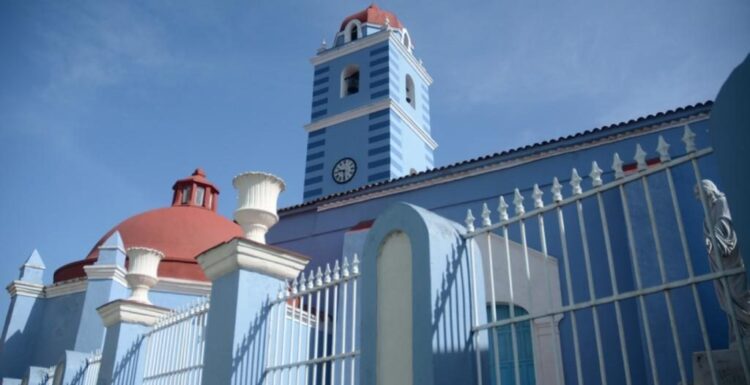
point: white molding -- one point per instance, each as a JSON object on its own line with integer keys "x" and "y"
{"x": 347, "y": 115}
{"x": 368, "y": 41}
{"x": 426, "y": 138}
{"x": 123, "y": 311}
{"x": 113, "y": 272}
{"x": 25, "y": 289}
{"x": 368, "y": 109}
{"x": 508, "y": 164}
{"x": 71, "y": 286}
{"x": 182, "y": 286}
{"x": 347, "y": 48}
{"x": 244, "y": 254}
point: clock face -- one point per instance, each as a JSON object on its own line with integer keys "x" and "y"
{"x": 344, "y": 170}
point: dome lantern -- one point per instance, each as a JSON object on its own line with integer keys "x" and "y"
{"x": 195, "y": 191}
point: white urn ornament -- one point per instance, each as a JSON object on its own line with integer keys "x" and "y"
{"x": 257, "y": 197}
{"x": 142, "y": 272}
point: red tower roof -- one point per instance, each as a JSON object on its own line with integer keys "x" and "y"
{"x": 181, "y": 232}
{"x": 373, "y": 15}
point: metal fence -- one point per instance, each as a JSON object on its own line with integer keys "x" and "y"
{"x": 312, "y": 334}
{"x": 174, "y": 347}
{"x": 636, "y": 298}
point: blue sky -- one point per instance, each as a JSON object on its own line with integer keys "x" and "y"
{"x": 103, "y": 105}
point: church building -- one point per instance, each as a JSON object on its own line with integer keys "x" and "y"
{"x": 576, "y": 260}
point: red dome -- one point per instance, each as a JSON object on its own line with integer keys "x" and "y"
{"x": 373, "y": 15}
{"x": 181, "y": 232}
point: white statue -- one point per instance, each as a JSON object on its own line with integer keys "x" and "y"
{"x": 723, "y": 254}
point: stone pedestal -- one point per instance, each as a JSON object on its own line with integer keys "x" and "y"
{"x": 244, "y": 276}
{"x": 126, "y": 321}
{"x": 727, "y": 363}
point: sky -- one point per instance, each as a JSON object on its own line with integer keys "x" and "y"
{"x": 103, "y": 105}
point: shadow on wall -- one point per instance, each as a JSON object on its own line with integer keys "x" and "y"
{"x": 249, "y": 358}
{"x": 126, "y": 371}
{"x": 451, "y": 323}
{"x": 17, "y": 351}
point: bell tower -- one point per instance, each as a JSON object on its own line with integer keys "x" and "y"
{"x": 370, "y": 118}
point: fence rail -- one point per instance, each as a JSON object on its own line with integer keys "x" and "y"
{"x": 633, "y": 287}
{"x": 309, "y": 322}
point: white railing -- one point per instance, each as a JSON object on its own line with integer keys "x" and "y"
{"x": 174, "y": 347}
{"x": 312, "y": 335}
{"x": 636, "y": 317}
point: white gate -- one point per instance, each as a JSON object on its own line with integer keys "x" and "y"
{"x": 633, "y": 292}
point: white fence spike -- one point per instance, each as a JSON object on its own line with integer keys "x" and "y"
{"x": 295, "y": 286}
{"x": 556, "y": 190}
{"x": 345, "y": 267}
{"x": 319, "y": 277}
{"x": 575, "y": 182}
{"x": 689, "y": 139}
{"x": 302, "y": 281}
{"x": 640, "y": 157}
{"x": 469, "y": 220}
{"x": 486, "y": 220}
{"x": 537, "y": 195}
{"x": 663, "y": 149}
{"x": 336, "y": 271}
{"x": 617, "y": 166}
{"x": 327, "y": 278}
{"x": 355, "y": 264}
{"x": 595, "y": 174}
{"x": 518, "y": 202}
{"x": 502, "y": 208}
{"x": 311, "y": 280}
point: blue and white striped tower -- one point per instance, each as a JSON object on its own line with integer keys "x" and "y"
{"x": 370, "y": 117}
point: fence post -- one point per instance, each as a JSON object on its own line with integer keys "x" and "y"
{"x": 126, "y": 321}
{"x": 438, "y": 293}
{"x": 244, "y": 275}
{"x": 23, "y": 319}
{"x": 106, "y": 282}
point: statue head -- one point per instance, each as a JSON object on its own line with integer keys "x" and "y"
{"x": 710, "y": 190}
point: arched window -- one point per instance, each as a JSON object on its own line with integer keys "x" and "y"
{"x": 352, "y": 31}
{"x": 406, "y": 41}
{"x": 410, "y": 98}
{"x": 350, "y": 80}
{"x": 502, "y": 337}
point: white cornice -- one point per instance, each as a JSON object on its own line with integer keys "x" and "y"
{"x": 368, "y": 109}
{"x": 247, "y": 255}
{"x": 369, "y": 41}
{"x": 123, "y": 311}
{"x": 347, "y": 115}
{"x": 66, "y": 287}
{"x": 348, "y": 48}
{"x": 25, "y": 289}
{"x": 182, "y": 286}
{"x": 508, "y": 164}
{"x": 113, "y": 272}
{"x": 411, "y": 59}
{"x": 422, "y": 134}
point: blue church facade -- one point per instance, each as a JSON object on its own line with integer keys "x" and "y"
{"x": 578, "y": 260}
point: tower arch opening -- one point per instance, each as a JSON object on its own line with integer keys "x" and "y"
{"x": 350, "y": 80}
{"x": 353, "y": 31}
{"x": 410, "y": 96}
